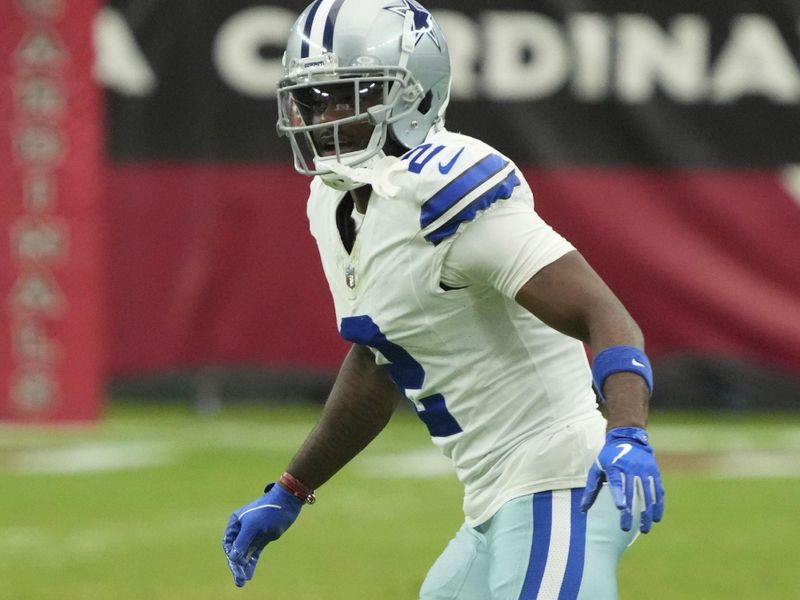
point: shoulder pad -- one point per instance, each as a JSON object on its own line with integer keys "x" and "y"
{"x": 454, "y": 178}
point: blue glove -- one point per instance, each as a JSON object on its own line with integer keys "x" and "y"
{"x": 253, "y": 526}
{"x": 628, "y": 464}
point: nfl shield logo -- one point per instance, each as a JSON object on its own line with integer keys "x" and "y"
{"x": 350, "y": 276}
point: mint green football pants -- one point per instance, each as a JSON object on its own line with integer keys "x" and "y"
{"x": 536, "y": 547}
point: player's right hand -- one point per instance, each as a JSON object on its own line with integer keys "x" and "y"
{"x": 253, "y": 526}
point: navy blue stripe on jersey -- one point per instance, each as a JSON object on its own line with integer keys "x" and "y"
{"x": 573, "y": 573}
{"x": 459, "y": 187}
{"x": 437, "y": 419}
{"x": 540, "y": 545}
{"x": 307, "y": 28}
{"x": 501, "y": 191}
{"x": 327, "y": 38}
{"x": 406, "y": 372}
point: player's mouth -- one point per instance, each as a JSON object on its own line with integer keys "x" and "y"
{"x": 327, "y": 146}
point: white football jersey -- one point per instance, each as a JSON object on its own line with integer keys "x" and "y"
{"x": 507, "y": 398}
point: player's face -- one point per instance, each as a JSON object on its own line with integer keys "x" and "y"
{"x": 331, "y": 102}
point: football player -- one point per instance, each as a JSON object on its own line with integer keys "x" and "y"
{"x": 456, "y": 295}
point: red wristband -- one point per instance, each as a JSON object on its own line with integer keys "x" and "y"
{"x": 297, "y": 488}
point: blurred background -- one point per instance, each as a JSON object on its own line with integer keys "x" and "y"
{"x": 157, "y": 267}
{"x": 158, "y": 241}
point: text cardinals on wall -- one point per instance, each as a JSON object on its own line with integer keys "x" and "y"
{"x": 51, "y": 354}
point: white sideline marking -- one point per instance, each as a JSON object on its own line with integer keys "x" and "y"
{"x": 430, "y": 464}
{"x": 791, "y": 181}
{"x": 415, "y": 464}
{"x": 756, "y": 464}
{"x": 728, "y": 437}
{"x": 89, "y": 457}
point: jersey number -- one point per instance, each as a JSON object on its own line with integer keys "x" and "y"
{"x": 406, "y": 372}
{"x": 420, "y": 156}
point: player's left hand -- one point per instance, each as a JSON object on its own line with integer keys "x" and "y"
{"x": 253, "y": 526}
{"x": 628, "y": 464}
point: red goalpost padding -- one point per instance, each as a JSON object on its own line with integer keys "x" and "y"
{"x": 51, "y": 297}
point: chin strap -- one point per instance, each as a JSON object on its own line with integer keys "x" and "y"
{"x": 378, "y": 172}
{"x": 343, "y": 178}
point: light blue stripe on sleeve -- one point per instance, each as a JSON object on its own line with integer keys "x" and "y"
{"x": 459, "y": 187}
{"x": 501, "y": 191}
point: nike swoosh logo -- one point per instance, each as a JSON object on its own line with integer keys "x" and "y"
{"x": 279, "y": 507}
{"x": 445, "y": 169}
{"x": 636, "y": 363}
{"x": 625, "y": 449}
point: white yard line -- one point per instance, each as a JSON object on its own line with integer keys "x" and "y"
{"x": 743, "y": 463}
{"x": 723, "y": 437}
{"x": 89, "y": 457}
{"x": 415, "y": 464}
{"x": 755, "y": 464}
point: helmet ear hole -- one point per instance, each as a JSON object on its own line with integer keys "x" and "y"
{"x": 425, "y": 105}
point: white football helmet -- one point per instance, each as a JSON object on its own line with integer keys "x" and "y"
{"x": 357, "y": 71}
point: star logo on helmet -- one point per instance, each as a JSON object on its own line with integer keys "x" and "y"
{"x": 423, "y": 25}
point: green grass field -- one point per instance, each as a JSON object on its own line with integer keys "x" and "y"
{"x": 134, "y": 508}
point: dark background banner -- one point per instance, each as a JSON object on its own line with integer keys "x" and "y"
{"x": 624, "y": 82}
{"x": 660, "y": 137}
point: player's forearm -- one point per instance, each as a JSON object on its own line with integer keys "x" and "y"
{"x": 626, "y": 394}
{"x": 627, "y": 400}
{"x": 360, "y": 405}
